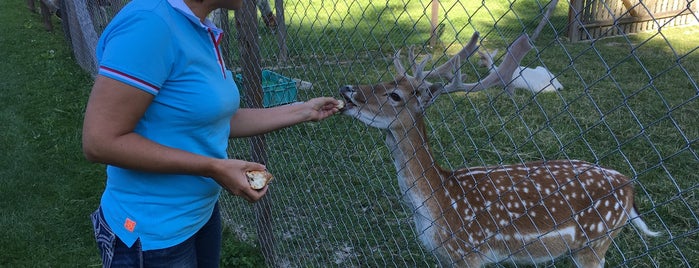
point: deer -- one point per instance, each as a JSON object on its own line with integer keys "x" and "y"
{"x": 536, "y": 80}
{"x": 523, "y": 213}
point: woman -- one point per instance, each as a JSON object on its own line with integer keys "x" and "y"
{"x": 160, "y": 115}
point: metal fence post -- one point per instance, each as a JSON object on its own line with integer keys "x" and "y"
{"x": 246, "y": 21}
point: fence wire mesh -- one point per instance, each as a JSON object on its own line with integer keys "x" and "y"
{"x": 629, "y": 102}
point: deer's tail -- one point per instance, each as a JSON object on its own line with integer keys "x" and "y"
{"x": 636, "y": 220}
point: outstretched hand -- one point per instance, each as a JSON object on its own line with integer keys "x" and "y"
{"x": 321, "y": 108}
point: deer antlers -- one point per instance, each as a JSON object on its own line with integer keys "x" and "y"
{"x": 444, "y": 70}
{"x": 451, "y": 69}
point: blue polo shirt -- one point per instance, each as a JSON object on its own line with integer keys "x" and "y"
{"x": 160, "y": 47}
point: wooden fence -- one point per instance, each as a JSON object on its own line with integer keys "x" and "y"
{"x": 593, "y": 19}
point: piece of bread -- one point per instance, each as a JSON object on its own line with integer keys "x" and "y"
{"x": 341, "y": 104}
{"x": 258, "y": 179}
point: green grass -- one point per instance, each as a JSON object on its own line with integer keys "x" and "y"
{"x": 48, "y": 190}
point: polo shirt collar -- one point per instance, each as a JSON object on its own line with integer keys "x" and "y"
{"x": 180, "y": 6}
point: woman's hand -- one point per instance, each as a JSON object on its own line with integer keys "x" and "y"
{"x": 248, "y": 122}
{"x": 321, "y": 108}
{"x": 230, "y": 174}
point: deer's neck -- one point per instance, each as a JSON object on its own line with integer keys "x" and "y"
{"x": 419, "y": 176}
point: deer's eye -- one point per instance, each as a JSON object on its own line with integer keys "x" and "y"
{"x": 394, "y": 96}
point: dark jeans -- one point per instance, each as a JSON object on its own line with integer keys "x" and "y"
{"x": 202, "y": 250}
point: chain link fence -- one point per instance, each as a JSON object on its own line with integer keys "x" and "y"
{"x": 628, "y": 102}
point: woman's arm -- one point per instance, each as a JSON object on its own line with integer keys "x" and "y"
{"x": 112, "y": 112}
{"x": 250, "y": 122}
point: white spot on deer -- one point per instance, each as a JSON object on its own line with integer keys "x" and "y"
{"x": 471, "y": 240}
{"x": 513, "y": 215}
{"x": 502, "y": 237}
{"x": 600, "y": 226}
{"x": 608, "y": 216}
{"x": 461, "y": 252}
{"x": 467, "y": 216}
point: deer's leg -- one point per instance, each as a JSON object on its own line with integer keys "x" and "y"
{"x": 594, "y": 254}
{"x": 471, "y": 260}
{"x": 453, "y": 259}
{"x": 588, "y": 258}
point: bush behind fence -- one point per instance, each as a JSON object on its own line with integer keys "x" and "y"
{"x": 629, "y": 102}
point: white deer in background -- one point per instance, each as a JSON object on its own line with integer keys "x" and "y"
{"x": 535, "y": 80}
{"x": 524, "y": 213}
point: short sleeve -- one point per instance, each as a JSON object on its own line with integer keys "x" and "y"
{"x": 137, "y": 50}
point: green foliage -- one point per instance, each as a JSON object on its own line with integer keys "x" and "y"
{"x": 238, "y": 254}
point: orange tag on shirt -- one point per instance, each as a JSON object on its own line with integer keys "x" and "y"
{"x": 129, "y": 224}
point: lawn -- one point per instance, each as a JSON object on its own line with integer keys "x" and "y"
{"x": 48, "y": 189}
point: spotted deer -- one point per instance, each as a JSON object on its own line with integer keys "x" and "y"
{"x": 524, "y": 213}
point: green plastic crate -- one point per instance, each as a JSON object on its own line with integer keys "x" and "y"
{"x": 276, "y": 88}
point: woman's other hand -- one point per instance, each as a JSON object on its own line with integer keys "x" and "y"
{"x": 230, "y": 174}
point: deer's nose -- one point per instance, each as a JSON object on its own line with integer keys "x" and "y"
{"x": 346, "y": 89}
